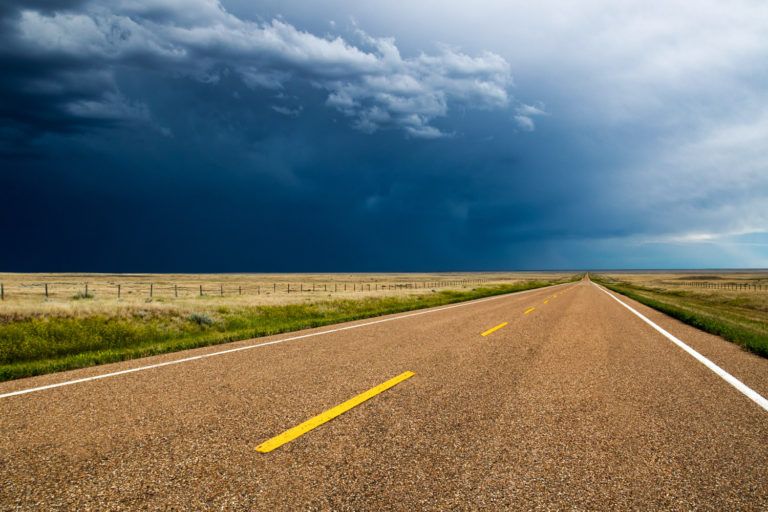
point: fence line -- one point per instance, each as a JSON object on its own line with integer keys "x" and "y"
{"x": 728, "y": 286}
{"x": 153, "y": 290}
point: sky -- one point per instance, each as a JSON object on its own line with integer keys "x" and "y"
{"x": 293, "y": 136}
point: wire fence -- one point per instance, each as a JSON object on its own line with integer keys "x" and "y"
{"x": 749, "y": 287}
{"x": 82, "y": 290}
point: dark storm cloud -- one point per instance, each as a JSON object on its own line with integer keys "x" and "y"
{"x": 174, "y": 135}
{"x": 60, "y": 65}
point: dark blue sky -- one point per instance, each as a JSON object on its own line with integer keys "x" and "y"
{"x": 207, "y": 136}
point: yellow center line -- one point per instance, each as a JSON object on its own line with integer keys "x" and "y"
{"x": 299, "y": 430}
{"x": 489, "y": 331}
{"x": 546, "y": 301}
{"x": 529, "y": 311}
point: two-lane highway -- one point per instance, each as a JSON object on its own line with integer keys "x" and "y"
{"x": 555, "y": 398}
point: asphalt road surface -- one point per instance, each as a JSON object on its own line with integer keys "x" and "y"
{"x": 576, "y": 403}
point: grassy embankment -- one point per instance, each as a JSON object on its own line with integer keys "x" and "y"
{"x": 740, "y": 319}
{"x": 35, "y": 346}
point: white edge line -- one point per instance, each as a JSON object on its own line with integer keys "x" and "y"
{"x": 727, "y": 377}
{"x": 203, "y": 356}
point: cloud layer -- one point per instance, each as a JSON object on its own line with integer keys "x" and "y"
{"x": 66, "y": 61}
{"x": 383, "y": 134}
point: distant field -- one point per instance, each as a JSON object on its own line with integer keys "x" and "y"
{"x": 74, "y": 327}
{"x": 25, "y": 294}
{"x": 731, "y": 304}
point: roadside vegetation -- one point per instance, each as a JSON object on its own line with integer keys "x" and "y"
{"x": 38, "y": 345}
{"x": 738, "y": 317}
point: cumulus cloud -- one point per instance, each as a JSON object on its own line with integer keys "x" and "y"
{"x": 291, "y": 112}
{"x": 524, "y": 116}
{"x": 370, "y": 82}
{"x": 524, "y": 123}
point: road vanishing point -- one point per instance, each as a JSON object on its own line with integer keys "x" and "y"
{"x": 565, "y": 397}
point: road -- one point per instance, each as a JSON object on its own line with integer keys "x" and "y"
{"x": 575, "y": 403}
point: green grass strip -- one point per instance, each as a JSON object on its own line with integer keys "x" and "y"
{"x": 740, "y": 334}
{"x": 37, "y": 346}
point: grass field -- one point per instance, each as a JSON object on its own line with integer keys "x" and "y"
{"x": 732, "y": 304}
{"x": 25, "y": 293}
{"x": 74, "y": 329}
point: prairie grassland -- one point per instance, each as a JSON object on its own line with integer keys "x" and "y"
{"x": 179, "y": 294}
{"x": 731, "y": 304}
{"x": 42, "y": 336}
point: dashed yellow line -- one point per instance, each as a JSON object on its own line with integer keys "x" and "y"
{"x": 546, "y": 301}
{"x": 489, "y": 331}
{"x": 299, "y": 430}
{"x": 529, "y": 311}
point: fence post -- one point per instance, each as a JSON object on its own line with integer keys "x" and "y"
{"x": 46, "y": 290}
{"x": 201, "y": 290}
{"x": 239, "y": 290}
{"x": 274, "y": 287}
{"x": 86, "y": 290}
{"x": 175, "y": 290}
{"x": 2, "y": 291}
{"x": 150, "y": 289}
{"x": 221, "y": 290}
{"x": 258, "y": 290}
{"x": 289, "y": 287}
{"x": 118, "y": 291}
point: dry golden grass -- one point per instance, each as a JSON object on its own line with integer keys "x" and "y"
{"x": 731, "y": 304}
{"x": 25, "y": 293}
{"x": 711, "y": 286}
{"x": 676, "y": 279}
